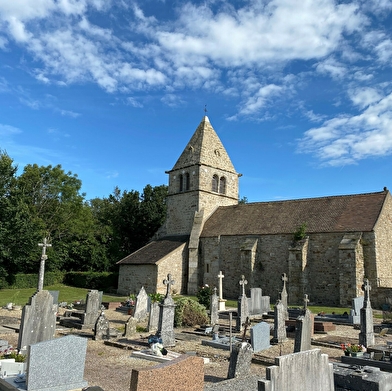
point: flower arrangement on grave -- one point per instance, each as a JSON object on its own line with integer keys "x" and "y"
{"x": 130, "y": 302}
{"x": 352, "y": 348}
{"x": 10, "y": 352}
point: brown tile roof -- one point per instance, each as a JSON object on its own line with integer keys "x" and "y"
{"x": 327, "y": 214}
{"x": 154, "y": 251}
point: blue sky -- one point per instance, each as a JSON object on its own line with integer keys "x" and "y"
{"x": 300, "y": 92}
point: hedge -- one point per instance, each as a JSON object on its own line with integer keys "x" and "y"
{"x": 90, "y": 280}
{"x": 104, "y": 281}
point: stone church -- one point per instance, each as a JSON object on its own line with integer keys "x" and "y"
{"x": 326, "y": 246}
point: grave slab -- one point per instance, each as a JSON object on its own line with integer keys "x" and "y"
{"x": 183, "y": 373}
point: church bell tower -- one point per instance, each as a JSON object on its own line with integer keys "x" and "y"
{"x": 202, "y": 179}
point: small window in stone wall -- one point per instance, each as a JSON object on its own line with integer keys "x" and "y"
{"x": 184, "y": 182}
{"x": 222, "y": 185}
{"x": 215, "y": 183}
{"x": 180, "y": 178}
{"x": 207, "y": 268}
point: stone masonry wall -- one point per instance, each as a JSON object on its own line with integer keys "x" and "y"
{"x": 133, "y": 277}
{"x": 176, "y": 265}
{"x": 383, "y": 241}
{"x": 271, "y": 260}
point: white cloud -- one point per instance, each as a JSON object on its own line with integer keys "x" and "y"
{"x": 260, "y": 98}
{"x": 363, "y": 97}
{"x": 134, "y": 102}
{"x": 8, "y": 130}
{"x": 332, "y": 67}
{"x": 348, "y": 139}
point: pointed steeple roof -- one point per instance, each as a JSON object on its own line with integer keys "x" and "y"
{"x": 205, "y": 148}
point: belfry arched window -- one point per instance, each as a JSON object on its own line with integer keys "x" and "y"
{"x": 184, "y": 182}
{"x": 215, "y": 183}
{"x": 222, "y": 185}
{"x": 181, "y": 180}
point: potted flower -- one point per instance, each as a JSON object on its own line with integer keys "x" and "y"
{"x": 353, "y": 350}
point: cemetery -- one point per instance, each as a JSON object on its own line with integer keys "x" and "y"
{"x": 248, "y": 347}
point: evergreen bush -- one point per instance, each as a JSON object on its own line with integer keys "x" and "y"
{"x": 189, "y": 312}
{"x": 204, "y": 296}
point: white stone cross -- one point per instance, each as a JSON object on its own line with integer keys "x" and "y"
{"x": 284, "y": 279}
{"x": 243, "y": 282}
{"x": 306, "y": 301}
{"x": 220, "y": 276}
{"x": 168, "y": 282}
{"x": 44, "y": 257}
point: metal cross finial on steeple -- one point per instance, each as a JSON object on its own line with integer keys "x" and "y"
{"x": 44, "y": 257}
{"x": 205, "y": 109}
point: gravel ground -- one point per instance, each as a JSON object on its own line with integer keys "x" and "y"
{"x": 110, "y": 366}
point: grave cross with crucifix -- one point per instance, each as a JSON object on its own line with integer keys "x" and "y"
{"x": 243, "y": 282}
{"x": 168, "y": 282}
{"x": 44, "y": 257}
{"x": 366, "y": 287}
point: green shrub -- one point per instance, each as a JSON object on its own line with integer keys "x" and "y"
{"x": 204, "y": 296}
{"x": 300, "y": 233}
{"x": 189, "y": 312}
{"x": 156, "y": 297}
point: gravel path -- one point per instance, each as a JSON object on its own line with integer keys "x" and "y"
{"x": 110, "y": 367}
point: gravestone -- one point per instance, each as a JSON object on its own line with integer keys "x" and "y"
{"x": 93, "y": 307}
{"x": 283, "y": 295}
{"x": 101, "y": 328}
{"x": 355, "y": 312}
{"x": 366, "y": 335}
{"x": 240, "y": 360}
{"x": 142, "y": 305}
{"x": 265, "y": 304}
{"x": 11, "y": 368}
{"x": 214, "y": 308}
{"x": 221, "y": 301}
{"x": 153, "y": 319}
{"x": 359, "y": 378}
{"x": 242, "y": 306}
{"x": 55, "y": 295}
{"x": 260, "y": 337}
{"x": 280, "y": 334}
{"x": 38, "y": 322}
{"x": 57, "y": 364}
{"x": 183, "y": 373}
{"x": 303, "y": 371}
{"x": 130, "y": 327}
{"x": 303, "y": 329}
{"x": 166, "y": 316}
{"x": 254, "y": 302}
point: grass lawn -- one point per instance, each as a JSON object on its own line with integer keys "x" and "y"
{"x": 71, "y": 294}
{"x": 66, "y": 293}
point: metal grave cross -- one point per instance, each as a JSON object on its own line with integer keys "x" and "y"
{"x": 220, "y": 276}
{"x": 243, "y": 282}
{"x": 44, "y": 257}
{"x": 168, "y": 282}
